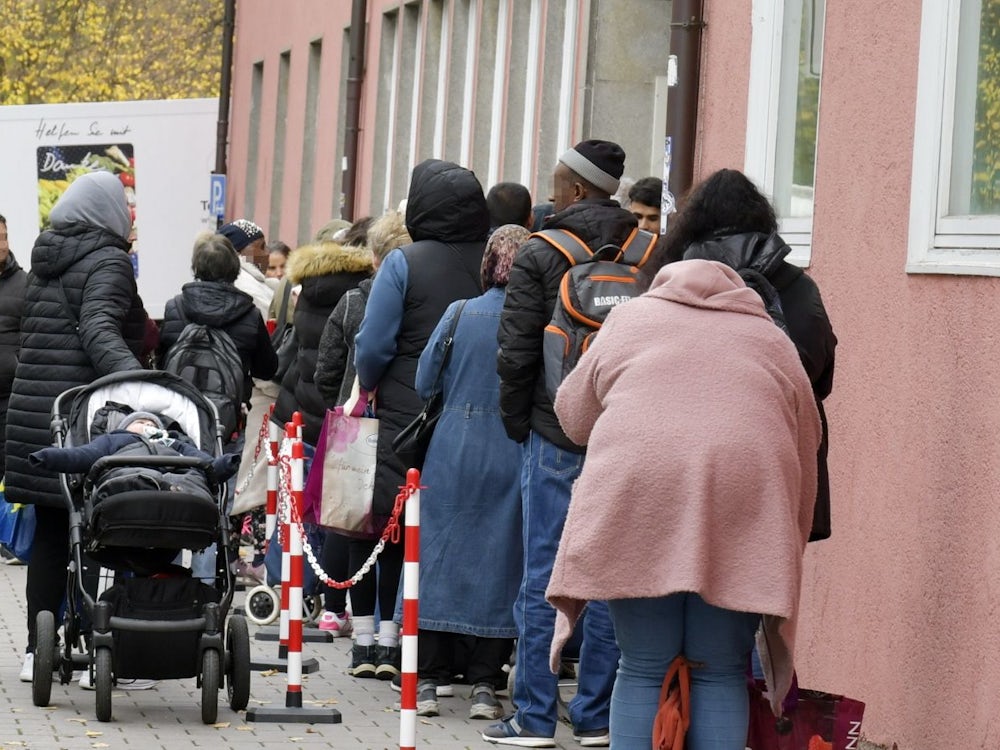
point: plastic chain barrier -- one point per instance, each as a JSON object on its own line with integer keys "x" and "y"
{"x": 390, "y": 533}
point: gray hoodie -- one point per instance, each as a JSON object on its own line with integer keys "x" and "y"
{"x": 97, "y": 199}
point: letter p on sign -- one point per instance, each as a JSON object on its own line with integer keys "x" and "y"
{"x": 217, "y": 203}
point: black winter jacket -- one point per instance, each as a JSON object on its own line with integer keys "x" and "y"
{"x": 223, "y": 306}
{"x": 447, "y": 218}
{"x": 82, "y": 319}
{"x": 531, "y": 297}
{"x": 326, "y": 271}
{"x": 807, "y": 323}
{"x": 335, "y": 371}
{"x": 13, "y": 280}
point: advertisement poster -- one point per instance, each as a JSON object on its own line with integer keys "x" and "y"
{"x": 59, "y": 165}
{"x": 162, "y": 152}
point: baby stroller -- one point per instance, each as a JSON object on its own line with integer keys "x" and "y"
{"x": 157, "y": 622}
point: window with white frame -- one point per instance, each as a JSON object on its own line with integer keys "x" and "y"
{"x": 786, "y": 64}
{"x": 955, "y": 191}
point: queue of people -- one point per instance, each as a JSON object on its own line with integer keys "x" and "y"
{"x": 581, "y": 525}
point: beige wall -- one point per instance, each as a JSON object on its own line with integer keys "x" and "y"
{"x": 900, "y": 606}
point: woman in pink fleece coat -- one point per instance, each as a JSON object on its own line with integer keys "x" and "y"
{"x": 695, "y": 502}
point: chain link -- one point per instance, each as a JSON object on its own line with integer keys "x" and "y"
{"x": 261, "y": 439}
{"x": 287, "y": 508}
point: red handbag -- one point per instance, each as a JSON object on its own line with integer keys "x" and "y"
{"x": 673, "y": 717}
{"x": 817, "y": 721}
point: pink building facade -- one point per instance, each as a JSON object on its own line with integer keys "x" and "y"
{"x": 872, "y": 128}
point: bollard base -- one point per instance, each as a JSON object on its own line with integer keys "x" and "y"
{"x": 309, "y": 635}
{"x": 308, "y": 665}
{"x": 279, "y": 715}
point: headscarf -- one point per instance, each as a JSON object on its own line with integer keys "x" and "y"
{"x": 499, "y": 255}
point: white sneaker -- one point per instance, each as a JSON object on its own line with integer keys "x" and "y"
{"x": 28, "y": 668}
{"x": 137, "y": 684}
{"x": 85, "y": 682}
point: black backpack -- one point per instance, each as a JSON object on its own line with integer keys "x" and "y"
{"x": 595, "y": 283}
{"x": 208, "y": 358}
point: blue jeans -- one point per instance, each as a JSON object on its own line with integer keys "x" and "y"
{"x": 651, "y": 633}
{"x": 547, "y": 476}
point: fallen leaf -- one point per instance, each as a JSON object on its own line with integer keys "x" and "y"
{"x": 100, "y": 744}
{"x": 77, "y": 719}
{"x": 92, "y": 733}
{"x": 426, "y": 723}
{"x": 296, "y": 739}
{"x": 244, "y": 729}
{"x": 269, "y": 673}
{"x": 221, "y": 725}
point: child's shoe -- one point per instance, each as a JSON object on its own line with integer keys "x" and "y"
{"x": 337, "y": 625}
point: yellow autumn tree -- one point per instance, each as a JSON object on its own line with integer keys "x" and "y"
{"x": 109, "y": 50}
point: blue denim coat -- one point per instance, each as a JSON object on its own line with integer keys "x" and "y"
{"x": 470, "y": 513}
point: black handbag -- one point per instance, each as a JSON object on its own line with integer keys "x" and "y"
{"x": 410, "y": 445}
{"x": 285, "y": 344}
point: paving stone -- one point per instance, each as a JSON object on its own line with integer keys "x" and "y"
{"x": 168, "y": 717}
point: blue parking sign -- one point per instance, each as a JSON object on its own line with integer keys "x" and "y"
{"x": 217, "y": 202}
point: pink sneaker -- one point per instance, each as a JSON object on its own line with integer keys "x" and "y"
{"x": 337, "y": 626}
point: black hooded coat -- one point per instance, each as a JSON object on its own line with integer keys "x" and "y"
{"x": 806, "y": 322}
{"x": 447, "y": 219}
{"x": 82, "y": 319}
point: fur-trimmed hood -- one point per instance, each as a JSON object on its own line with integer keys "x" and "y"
{"x": 325, "y": 258}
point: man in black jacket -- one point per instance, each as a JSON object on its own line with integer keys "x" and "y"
{"x": 583, "y": 182}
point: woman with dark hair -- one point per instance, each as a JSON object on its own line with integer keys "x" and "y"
{"x": 727, "y": 219}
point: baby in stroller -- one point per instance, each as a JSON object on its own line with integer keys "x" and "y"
{"x": 141, "y": 487}
{"x": 137, "y": 434}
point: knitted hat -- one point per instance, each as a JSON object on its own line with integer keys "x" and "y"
{"x": 601, "y": 163}
{"x": 241, "y": 233}
{"x": 137, "y": 415}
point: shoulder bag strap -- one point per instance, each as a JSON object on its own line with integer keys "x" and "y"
{"x": 448, "y": 341}
{"x": 575, "y": 249}
{"x": 279, "y": 327}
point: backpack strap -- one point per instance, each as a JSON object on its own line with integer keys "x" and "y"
{"x": 575, "y": 249}
{"x": 638, "y": 247}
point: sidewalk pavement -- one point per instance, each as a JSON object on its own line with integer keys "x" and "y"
{"x": 168, "y": 716}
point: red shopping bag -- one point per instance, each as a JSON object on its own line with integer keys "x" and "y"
{"x": 818, "y": 721}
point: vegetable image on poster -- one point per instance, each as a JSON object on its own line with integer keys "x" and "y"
{"x": 58, "y": 166}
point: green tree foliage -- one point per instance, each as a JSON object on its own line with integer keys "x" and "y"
{"x": 986, "y": 158}
{"x": 109, "y": 50}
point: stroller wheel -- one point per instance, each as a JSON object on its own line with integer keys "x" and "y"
{"x": 102, "y": 682}
{"x": 238, "y": 663}
{"x": 45, "y": 654}
{"x": 210, "y": 673}
{"x": 262, "y": 605}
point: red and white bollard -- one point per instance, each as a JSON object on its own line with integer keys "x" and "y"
{"x": 293, "y": 552}
{"x": 291, "y": 598}
{"x": 411, "y": 612}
